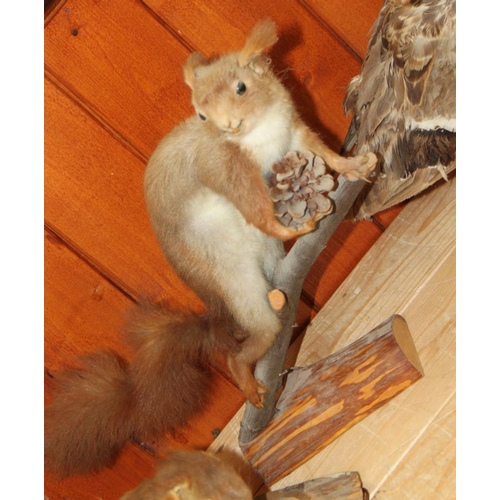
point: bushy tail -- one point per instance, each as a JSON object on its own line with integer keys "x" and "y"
{"x": 97, "y": 407}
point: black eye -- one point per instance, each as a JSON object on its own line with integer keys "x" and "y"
{"x": 241, "y": 88}
{"x": 202, "y": 117}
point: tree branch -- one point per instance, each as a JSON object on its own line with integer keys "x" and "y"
{"x": 289, "y": 277}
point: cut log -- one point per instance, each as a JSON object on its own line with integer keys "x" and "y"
{"x": 344, "y": 486}
{"x": 323, "y": 400}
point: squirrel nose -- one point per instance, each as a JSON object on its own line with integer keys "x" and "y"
{"x": 234, "y": 126}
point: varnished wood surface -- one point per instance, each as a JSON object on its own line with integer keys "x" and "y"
{"x": 325, "y": 399}
{"x": 113, "y": 88}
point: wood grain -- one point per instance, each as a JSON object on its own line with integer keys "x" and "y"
{"x": 94, "y": 200}
{"x": 429, "y": 469}
{"x": 123, "y": 65}
{"x": 83, "y": 311}
{"x": 344, "y": 486}
{"x": 340, "y": 256}
{"x": 323, "y": 400}
{"x": 132, "y": 467}
{"x": 339, "y": 16}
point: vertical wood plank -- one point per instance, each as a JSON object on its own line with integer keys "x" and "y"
{"x": 343, "y": 251}
{"x": 132, "y": 467}
{"x": 121, "y": 63}
{"x": 352, "y": 21}
{"x": 83, "y": 311}
{"x": 94, "y": 200}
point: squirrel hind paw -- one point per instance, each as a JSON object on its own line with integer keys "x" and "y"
{"x": 256, "y": 394}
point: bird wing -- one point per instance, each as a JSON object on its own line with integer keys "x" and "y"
{"x": 404, "y": 100}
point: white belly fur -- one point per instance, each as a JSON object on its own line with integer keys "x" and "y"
{"x": 237, "y": 250}
{"x": 270, "y": 140}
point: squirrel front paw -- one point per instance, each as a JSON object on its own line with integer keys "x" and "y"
{"x": 309, "y": 225}
{"x": 360, "y": 167}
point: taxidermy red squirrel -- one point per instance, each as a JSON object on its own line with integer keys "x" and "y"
{"x": 209, "y": 204}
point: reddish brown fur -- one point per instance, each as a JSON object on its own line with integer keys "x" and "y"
{"x": 252, "y": 200}
{"x": 97, "y": 407}
{"x": 262, "y": 37}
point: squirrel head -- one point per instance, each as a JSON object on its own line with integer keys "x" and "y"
{"x": 235, "y": 90}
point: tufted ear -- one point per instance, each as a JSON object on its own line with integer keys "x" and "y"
{"x": 262, "y": 37}
{"x": 195, "y": 60}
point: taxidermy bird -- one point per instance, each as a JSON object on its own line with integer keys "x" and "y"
{"x": 403, "y": 101}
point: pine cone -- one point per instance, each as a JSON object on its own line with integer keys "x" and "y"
{"x": 298, "y": 188}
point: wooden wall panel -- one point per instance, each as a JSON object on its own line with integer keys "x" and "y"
{"x": 340, "y": 256}
{"x": 94, "y": 199}
{"x": 131, "y": 468}
{"x": 351, "y": 20}
{"x": 83, "y": 310}
{"x": 123, "y": 64}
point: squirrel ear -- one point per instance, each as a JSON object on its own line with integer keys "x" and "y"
{"x": 262, "y": 36}
{"x": 194, "y": 61}
{"x": 260, "y": 64}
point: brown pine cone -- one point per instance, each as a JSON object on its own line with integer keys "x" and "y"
{"x": 300, "y": 188}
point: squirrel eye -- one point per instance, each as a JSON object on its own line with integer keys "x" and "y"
{"x": 241, "y": 88}
{"x": 202, "y": 117}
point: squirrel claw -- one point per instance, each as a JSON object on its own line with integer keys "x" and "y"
{"x": 307, "y": 227}
{"x": 256, "y": 396}
{"x": 359, "y": 176}
{"x": 365, "y": 166}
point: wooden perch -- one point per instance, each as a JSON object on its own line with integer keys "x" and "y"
{"x": 344, "y": 486}
{"x": 323, "y": 400}
{"x": 289, "y": 277}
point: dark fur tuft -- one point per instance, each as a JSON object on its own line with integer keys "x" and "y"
{"x": 99, "y": 406}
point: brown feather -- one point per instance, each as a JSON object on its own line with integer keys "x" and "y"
{"x": 404, "y": 100}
